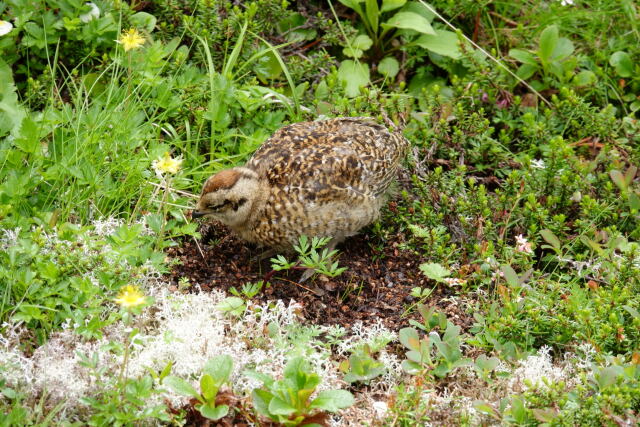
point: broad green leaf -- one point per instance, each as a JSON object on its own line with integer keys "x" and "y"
{"x": 634, "y": 201}
{"x": 523, "y": 56}
{"x": 213, "y": 412}
{"x": 550, "y": 238}
{"x": 584, "y": 78}
{"x": 564, "y": 48}
{"x": 261, "y": 400}
{"x": 622, "y": 63}
{"x": 357, "y": 46}
{"x": 232, "y": 305}
{"x": 362, "y": 41}
{"x": 27, "y": 138}
{"x": 410, "y": 21}
{"x": 434, "y": 271}
{"x": 608, "y": 376}
{"x": 510, "y": 275}
{"x": 372, "y": 14}
{"x": 618, "y": 179}
{"x": 333, "y": 400}
{"x": 278, "y": 406}
{"x": 11, "y": 111}
{"x": 409, "y": 338}
{"x": 545, "y": 415}
{"x": 180, "y": 386}
{"x": 632, "y": 311}
{"x": 548, "y": 43}
{"x": 388, "y": 5}
{"x": 486, "y": 408}
{"x": 389, "y": 67}
{"x": 220, "y": 368}
{"x": 143, "y": 20}
{"x": 208, "y": 387}
{"x": 526, "y": 70}
{"x": 353, "y": 76}
{"x": 443, "y": 43}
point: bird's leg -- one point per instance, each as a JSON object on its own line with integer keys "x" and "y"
{"x": 264, "y": 255}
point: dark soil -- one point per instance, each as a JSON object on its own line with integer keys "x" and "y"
{"x": 376, "y": 285}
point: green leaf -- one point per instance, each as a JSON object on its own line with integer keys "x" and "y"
{"x": 357, "y": 46}
{"x": 353, "y": 76}
{"x": 563, "y": 49}
{"x": 388, "y": 5}
{"x": 618, "y": 179}
{"x": 410, "y": 21}
{"x": 372, "y": 14}
{"x": 143, "y": 20}
{"x": 232, "y": 305}
{"x": 550, "y": 238}
{"x": 634, "y": 201}
{"x": 389, "y": 67}
{"x": 261, "y": 400}
{"x": 27, "y": 138}
{"x": 180, "y": 386}
{"x": 584, "y": 78}
{"x": 11, "y": 110}
{"x": 526, "y": 70}
{"x": 208, "y": 388}
{"x": 443, "y": 43}
{"x": 622, "y": 63}
{"x": 220, "y": 368}
{"x": 409, "y": 338}
{"x": 213, "y": 412}
{"x": 278, "y": 406}
{"x": 434, "y": 271}
{"x": 333, "y": 400}
{"x": 524, "y": 56}
{"x": 548, "y": 43}
{"x": 510, "y": 275}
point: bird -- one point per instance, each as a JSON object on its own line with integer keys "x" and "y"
{"x": 324, "y": 178}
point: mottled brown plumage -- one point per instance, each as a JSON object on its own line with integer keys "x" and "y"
{"x": 324, "y": 178}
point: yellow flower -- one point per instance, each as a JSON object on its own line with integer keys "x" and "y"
{"x": 130, "y": 296}
{"x": 131, "y": 39}
{"x": 166, "y": 164}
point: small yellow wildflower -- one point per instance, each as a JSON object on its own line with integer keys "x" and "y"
{"x": 130, "y": 296}
{"x": 131, "y": 39}
{"x": 166, "y": 164}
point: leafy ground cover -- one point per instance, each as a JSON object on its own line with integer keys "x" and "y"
{"x": 500, "y": 286}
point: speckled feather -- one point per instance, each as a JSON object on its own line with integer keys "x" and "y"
{"x": 323, "y": 178}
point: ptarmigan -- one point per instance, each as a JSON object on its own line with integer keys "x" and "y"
{"x": 324, "y": 178}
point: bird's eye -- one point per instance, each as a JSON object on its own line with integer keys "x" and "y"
{"x": 219, "y": 206}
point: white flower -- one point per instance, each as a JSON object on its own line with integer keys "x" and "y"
{"x": 496, "y": 274}
{"x": 537, "y": 164}
{"x": 92, "y": 14}
{"x": 566, "y": 2}
{"x": 454, "y": 281}
{"x": 5, "y": 27}
{"x": 381, "y": 408}
{"x": 523, "y": 245}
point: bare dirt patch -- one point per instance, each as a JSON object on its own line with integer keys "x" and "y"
{"x": 376, "y": 285}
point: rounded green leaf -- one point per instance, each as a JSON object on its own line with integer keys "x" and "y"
{"x": 548, "y": 43}
{"x": 278, "y": 406}
{"x": 584, "y": 78}
{"x": 213, "y": 412}
{"x": 180, "y": 386}
{"x": 443, "y": 43}
{"x": 523, "y": 56}
{"x": 621, "y": 61}
{"x": 143, "y": 20}
{"x": 410, "y": 21}
{"x": 220, "y": 368}
{"x": 353, "y": 76}
{"x": 333, "y": 400}
{"x": 388, "y": 5}
{"x": 389, "y": 67}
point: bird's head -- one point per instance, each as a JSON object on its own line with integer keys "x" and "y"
{"x": 229, "y": 196}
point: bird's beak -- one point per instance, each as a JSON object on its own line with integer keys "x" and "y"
{"x": 197, "y": 214}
